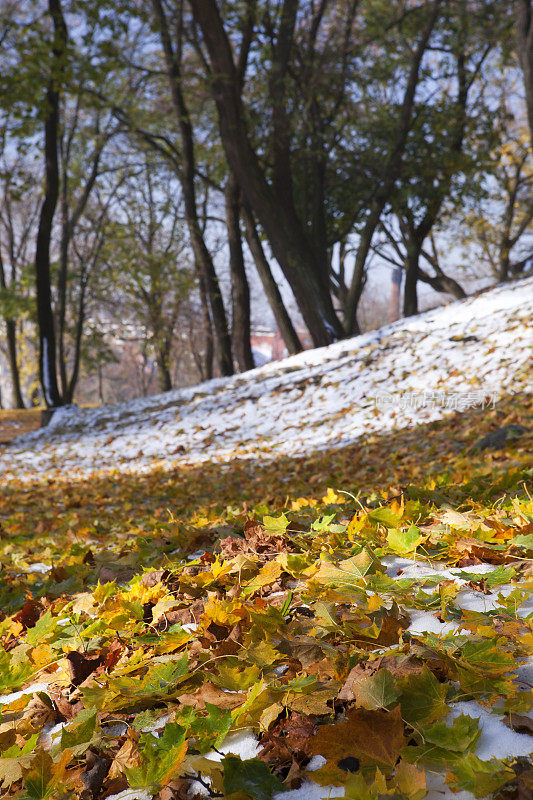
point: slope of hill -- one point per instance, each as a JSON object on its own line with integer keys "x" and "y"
{"x": 353, "y": 622}
{"x": 415, "y": 370}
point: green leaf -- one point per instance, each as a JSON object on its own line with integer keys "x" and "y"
{"x": 461, "y": 736}
{"x": 38, "y": 781}
{"x": 323, "y": 523}
{"x": 276, "y": 524}
{"x": 28, "y": 747}
{"x": 477, "y": 776}
{"x": 403, "y": 542}
{"x": 13, "y": 676}
{"x": 376, "y": 691}
{"x": 423, "y": 698}
{"x": 252, "y": 777}
{"x": 80, "y": 731}
{"x": 211, "y": 731}
{"x": 386, "y": 517}
{"x": 498, "y": 577}
{"x": 45, "y": 626}
{"x": 160, "y": 680}
{"x": 523, "y": 541}
{"x": 486, "y": 658}
{"x": 161, "y": 758}
{"x": 443, "y": 744}
{"x": 235, "y": 678}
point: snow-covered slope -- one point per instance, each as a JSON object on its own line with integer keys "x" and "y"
{"x": 412, "y": 371}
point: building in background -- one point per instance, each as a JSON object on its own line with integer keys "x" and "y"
{"x": 395, "y": 295}
{"x": 268, "y": 345}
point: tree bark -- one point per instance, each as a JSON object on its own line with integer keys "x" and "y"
{"x": 164, "y": 379}
{"x": 240, "y": 290}
{"x": 209, "y": 353}
{"x": 524, "y": 29}
{"x": 273, "y": 294}
{"x": 292, "y": 249}
{"x": 410, "y": 297}
{"x": 47, "y": 344}
{"x": 202, "y": 257}
{"x": 11, "y": 338}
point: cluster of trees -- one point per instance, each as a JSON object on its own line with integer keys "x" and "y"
{"x": 152, "y": 151}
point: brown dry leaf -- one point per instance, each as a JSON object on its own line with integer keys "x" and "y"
{"x": 29, "y": 614}
{"x": 191, "y": 614}
{"x": 96, "y": 770}
{"x": 525, "y": 786}
{"x": 209, "y": 693}
{"x": 113, "y": 654}
{"x": 80, "y": 666}
{"x": 391, "y": 628}
{"x": 325, "y": 668}
{"x": 64, "y": 708}
{"x": 346, "y": 693}
{"x": 114, "y": 786}
{"x": 288, "y": 740}
{"x": 373, "y": 736}
{"x": 474, "y": 548}
{"x": 400, "y": 667}
{"x": 410, "y": 780}
{"x": 35, "y": 716}
{"x": 177, "y": 790}
{"x": 128, "y": 756}
{"x": 520, "y": 723}
{"x": 318, "y": 702}
{"x": 151, "y": 579}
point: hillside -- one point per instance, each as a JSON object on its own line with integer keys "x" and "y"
{"x": 473, "y": 351}
{"x": 304, "y": 582}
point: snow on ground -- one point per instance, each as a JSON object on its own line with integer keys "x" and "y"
{"x": 412, "y": 371}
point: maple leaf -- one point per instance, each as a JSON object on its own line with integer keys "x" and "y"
{"x": 477, "y": 776}
{"x": 377, "y": 737}
{"x": 375, "y": 691}
{"x": 251, "y": 777}
{"x": 160, "y": 758}
{"x": 423, "y": 698}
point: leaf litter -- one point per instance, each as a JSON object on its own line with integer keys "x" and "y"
{"x": 254, "y": 632}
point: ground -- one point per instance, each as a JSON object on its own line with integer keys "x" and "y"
{"x": 340, "y": 607}
{"x": 15, "y": 422}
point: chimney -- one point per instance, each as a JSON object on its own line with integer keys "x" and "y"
{"x": 395, "y": 294}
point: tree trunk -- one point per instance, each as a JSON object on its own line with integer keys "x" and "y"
{"x": 410, "y": 297}
{"x": 47, "y": 345}
{"x": 504, "y": 263}
{"x": 62, "y": 286}
{"x": 207, "y": 372}
{"x": 77, "y": 344}
{"x": 240, "y": 290}
{"x": 292, "y": 249}
{"x": 163, "y": 373}
{"x": 273, "y": 294}
{"x": 202, "y": 257}
{"x": 524, "y": 25}
{"x": 11, "y": 338}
